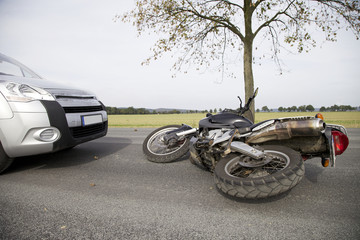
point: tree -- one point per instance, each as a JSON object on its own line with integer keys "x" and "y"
{"x": 265, "y": 109}
{"x": 291, "y": 109}
{"x": 310, "y": 108}
{"x": 302, "y": 108}
{"x": 204, "y": 31}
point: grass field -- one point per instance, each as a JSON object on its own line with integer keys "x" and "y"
{"x": 347, "y": 119}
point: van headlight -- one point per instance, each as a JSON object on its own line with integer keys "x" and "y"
{"x": 15, "y": 92}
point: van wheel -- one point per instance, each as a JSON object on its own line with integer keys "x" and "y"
{"x": 5, "y": 161}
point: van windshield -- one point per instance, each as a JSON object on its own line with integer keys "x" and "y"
{"x": 12, "y": 68}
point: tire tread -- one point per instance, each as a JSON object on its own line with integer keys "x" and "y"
{"x": 263, "y": 187}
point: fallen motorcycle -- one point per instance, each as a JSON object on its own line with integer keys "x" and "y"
{"x": 250, "y": 160}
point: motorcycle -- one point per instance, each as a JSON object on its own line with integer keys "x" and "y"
{"x": 250, "y": 161}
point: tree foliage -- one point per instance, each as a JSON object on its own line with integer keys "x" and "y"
{"x": 336, "y": 108}
{"x": 129, "y": 110}
{"x": 202, "y": 32}
{"x": 265, "y": 109}
{"x": 136, "y": 111}
{"x": 303, "y": 108}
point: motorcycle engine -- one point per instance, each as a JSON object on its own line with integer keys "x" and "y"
{"x": 203, "y": 153}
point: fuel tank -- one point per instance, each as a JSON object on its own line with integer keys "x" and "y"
{"x": 224, "y": 120}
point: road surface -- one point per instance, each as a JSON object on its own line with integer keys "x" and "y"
{"x": 106, "y": 189}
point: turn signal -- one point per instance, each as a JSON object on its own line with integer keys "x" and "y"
{"x": 319, "y": 115}
{"x": 341, "y": 142}
{"x": 325, "y": 162}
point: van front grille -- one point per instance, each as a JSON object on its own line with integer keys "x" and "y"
{"x": 83, "y": 109}
{"x": 80, "y": 132}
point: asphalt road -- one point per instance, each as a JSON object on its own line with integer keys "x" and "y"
{"x": 106, "y": 189}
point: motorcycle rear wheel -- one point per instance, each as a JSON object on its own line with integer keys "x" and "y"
{"x": 157, "y": 151}
{"x": 283, "y": 172}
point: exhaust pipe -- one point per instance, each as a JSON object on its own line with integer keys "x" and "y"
{"x": 288, "y": 128}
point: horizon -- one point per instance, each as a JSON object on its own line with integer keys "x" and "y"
{"x": 357, "y": 108}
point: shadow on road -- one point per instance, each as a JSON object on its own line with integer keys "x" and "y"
{"x": 313, "y": 171}
{"x": 81, "y": 154}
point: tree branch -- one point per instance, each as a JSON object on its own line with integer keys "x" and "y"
{"x": 274, "y": 18}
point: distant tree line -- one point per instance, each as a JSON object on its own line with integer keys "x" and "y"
{"x": 303, "y": 108}
{"x": 310, "y": 108}
{"x": 132, "y": 110}
{"x": 336, "y": 108}
{"x": 129, "y": 110}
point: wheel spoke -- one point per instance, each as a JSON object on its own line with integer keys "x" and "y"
{"x": 276, "y": 164}
{"x": 240, "y": 171}
{"x": 156, "y": 145}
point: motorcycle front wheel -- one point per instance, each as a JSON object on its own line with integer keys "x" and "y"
{"x": 156, "y": 150}
{"x": 238, "y": 176}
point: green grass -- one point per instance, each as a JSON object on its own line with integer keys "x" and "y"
{"x": 347, "y": 119}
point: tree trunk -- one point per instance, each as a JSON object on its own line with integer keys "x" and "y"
{"x": 249, "y": 79}
{"x": 248, "y": 50}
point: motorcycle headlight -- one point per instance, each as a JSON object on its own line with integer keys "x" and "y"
{"x": 15, "y": 92}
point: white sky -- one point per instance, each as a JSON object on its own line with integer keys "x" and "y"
{"x": 77, "y": 42}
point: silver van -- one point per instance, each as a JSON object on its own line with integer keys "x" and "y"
{"x": 39, "y": 116}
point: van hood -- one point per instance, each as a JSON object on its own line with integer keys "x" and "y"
{"x": 50, "y": 86}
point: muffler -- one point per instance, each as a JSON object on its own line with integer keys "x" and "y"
{"x": 288, "y": 128}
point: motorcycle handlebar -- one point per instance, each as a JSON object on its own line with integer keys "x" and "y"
{"x": 246, "y": 107}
